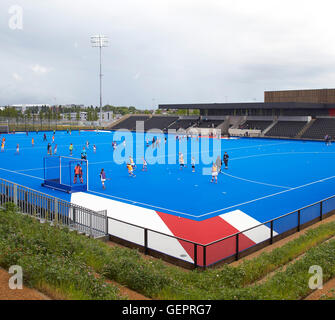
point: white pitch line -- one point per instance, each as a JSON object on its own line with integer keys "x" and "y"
{"x": 280, "y": 153}
{"x": 136, "y": 202}
{"x": 257, "y": 182}
{"x": 186, "y": 214}
{"x": 53, "y": 144}
{"x": 268, "y": 196}
{"x": 23, "y": 174}
{"x": 168, "y": 155}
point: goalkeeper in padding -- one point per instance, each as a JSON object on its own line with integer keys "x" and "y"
{"x": 78, "y": 172}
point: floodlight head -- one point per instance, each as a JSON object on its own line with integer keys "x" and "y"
{"x": 99, "y": 41}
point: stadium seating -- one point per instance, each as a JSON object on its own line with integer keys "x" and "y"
{"x": 320, "y": 128}
{"x": 255, "y": 125}
{"x": 286, "y": 129}
{"x": 182, "y": 124}
{"x": 130, "y": 123}
{"x": 159, "y": 123}
{"x": 209, "y": 123}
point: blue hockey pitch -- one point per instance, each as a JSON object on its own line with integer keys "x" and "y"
{"x": 266, "y": 178}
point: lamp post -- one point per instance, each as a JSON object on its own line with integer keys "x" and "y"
{"x": 100, "y": 41}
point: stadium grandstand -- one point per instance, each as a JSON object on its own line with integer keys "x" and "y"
{"x": 319, "y": 128}
{"x": 296, "y": 114}
{"x": 159, "y": 122}
{"x": 183, "y": 124}
{"x": 255, "y": 124}
{"x": 129, "y": 122}
{"x": 289, "y": 129}
{"x": 209, "y": 123}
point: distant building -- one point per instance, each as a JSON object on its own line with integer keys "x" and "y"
{"x": 24, "y": 107}
{"x": 73, "y": 105}
{"x": 106, "y": 116}
{"x": 73, "y": 116}
{"x": 320, "y": 96}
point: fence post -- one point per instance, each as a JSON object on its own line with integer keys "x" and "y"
{"x": 237, "y": 247}
{"x": 271, "y": 235}
{"x": 106, "y": 226}
{"x": 15, "y": 194}
{"x": 145, "y": 241}
{"x": 195, "y": 255}
{"x": 205, "y": 262}
{"x": 298, "y": 220}
{"x": 321, "y": 211}
{"x": 91, "y": 233}
{"x": 1, "y": 193}
{"x": 7, "y": 194}
{"x": 74, "y": 213}
{"x": 56, "y": 210}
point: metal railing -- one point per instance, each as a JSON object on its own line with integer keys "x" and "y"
{"x": 232, "y": 246}
{"x": 288, "y": 223}
{"x": 24, "y": 124}
{"x": 51, "y": 209}
{"x": 98, "y": 224}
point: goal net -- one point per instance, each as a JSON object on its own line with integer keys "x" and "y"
{"x": 65, "y": 173}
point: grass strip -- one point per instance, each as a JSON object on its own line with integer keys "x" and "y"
{"x": 150, "y": 277}
{"x": 59, "y": 276}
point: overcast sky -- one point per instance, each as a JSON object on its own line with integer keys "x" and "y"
{"x": 164, "y": 51}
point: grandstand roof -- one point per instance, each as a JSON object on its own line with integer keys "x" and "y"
{"x": 249, "y": 105}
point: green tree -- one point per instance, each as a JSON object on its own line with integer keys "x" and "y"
{"x": 28, "y": 114}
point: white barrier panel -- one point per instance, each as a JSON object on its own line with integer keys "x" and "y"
{"x": 132, "y": 214}
{"x": 244, "y": 132}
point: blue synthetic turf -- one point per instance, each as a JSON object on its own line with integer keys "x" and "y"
{"x": 261, "y": 173}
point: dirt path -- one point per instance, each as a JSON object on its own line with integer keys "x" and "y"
{"x": 19, "y": 294}
{"x": 325, "y": 291}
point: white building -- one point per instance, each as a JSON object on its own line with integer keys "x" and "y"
{"x": 73, "y": 116}
{"x": 106, "y": 116}
{"x": 73, "y": 105}
{"x": 24, "y": 107}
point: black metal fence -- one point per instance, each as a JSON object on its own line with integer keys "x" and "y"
{"x": 232, "y": 247}
{"x": 193, "y": 254}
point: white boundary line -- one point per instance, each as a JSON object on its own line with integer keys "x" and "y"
{"x": 280, "y": 153}
{"x": 186, "y": 214}
{"x": 208, "y": 213}
{"x": 136, "y": 202}
{"x": 11, "y": 171}
{"x": 257, "y": 182}
{"x": 234, "y": 159}
{"x": 269, "y": 196}
{"x": 216, "y": 211}
{"x": 167, "y": 155}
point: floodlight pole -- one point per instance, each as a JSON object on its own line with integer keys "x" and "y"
{"x": 100, "y": 41}
{"x": 100, "y": 86}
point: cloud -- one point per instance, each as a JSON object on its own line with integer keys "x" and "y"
{"x": 188, "y": 51}
{"x": 40, "y": 70}
{"x": 16, "y": 77}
